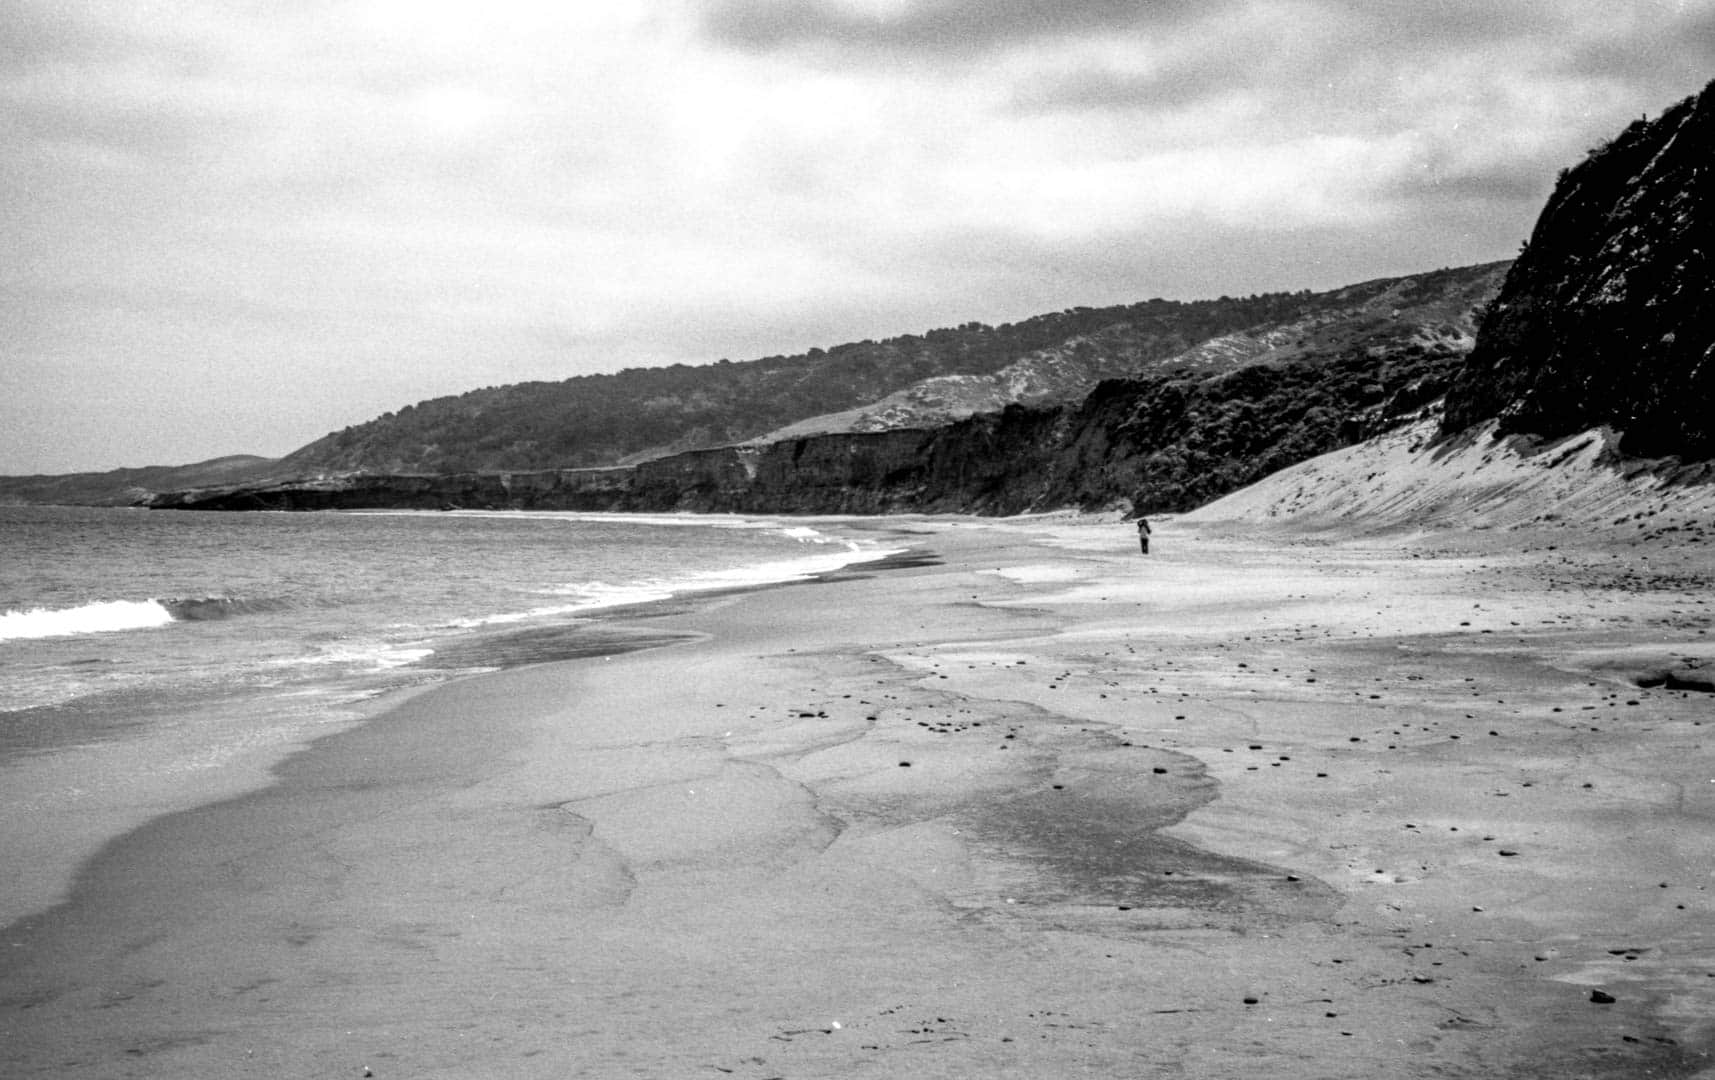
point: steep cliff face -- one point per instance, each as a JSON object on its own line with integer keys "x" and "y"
{"x": 1161, "y": 445}
{"x": 1606, "y": 317}
{"x": 562, "y": 489}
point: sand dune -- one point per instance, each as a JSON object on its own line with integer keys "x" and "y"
{"x": 1410, "y": 480}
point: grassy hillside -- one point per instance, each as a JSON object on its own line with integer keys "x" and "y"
{"x": 911, "y": 381}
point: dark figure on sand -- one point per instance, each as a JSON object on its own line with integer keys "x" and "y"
{"x": 1143, "y": 535}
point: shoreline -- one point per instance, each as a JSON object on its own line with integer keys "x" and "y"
{"x": 1029, "y": 806}
{"x": 159, "y": 780}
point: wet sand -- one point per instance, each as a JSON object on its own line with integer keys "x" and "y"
{"x": 1255, "y": 805}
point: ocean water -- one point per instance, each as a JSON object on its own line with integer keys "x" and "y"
{"x": 150, "y": 658}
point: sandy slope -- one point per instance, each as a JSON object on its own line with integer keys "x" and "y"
{"x": 1411, "y": 480}
{"x": 1272, "y": 802}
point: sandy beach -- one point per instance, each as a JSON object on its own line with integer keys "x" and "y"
{"x": 1029, "y": 804}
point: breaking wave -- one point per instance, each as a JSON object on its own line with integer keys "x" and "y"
{"x": 108, "y": 616}
{"x": 217, "y": 607}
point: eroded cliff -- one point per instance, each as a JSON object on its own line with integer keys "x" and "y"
{"x": 1156, "y": 444}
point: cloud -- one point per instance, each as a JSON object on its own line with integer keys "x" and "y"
{"x": 368, "y": 202}
{"x": 46, "y": 33}
{"x": 1300, "y": 111}
{"x": 1659, "y": 49}
{"x": 945, "y": 28}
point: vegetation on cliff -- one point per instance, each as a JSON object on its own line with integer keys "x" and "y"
{"x": 596, "y": 420}
{"x": 1159, "y": 443}
{"x": 600, "y": 420}
{"x": 1604, "y": 318}
{"x": 1173, "y": 445}
{"x": 1201, "y": 419}
{"x": 1153, "y": 445}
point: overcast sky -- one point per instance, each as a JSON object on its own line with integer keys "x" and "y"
{"x": 231, "y": 226}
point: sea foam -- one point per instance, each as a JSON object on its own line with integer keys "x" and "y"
{"x": 97, "y": 618}
{"x": 106, "y": 616}
{"x": 591, "y": 596}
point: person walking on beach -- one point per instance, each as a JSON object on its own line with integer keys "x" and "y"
{"x": 1143, "y": 535}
